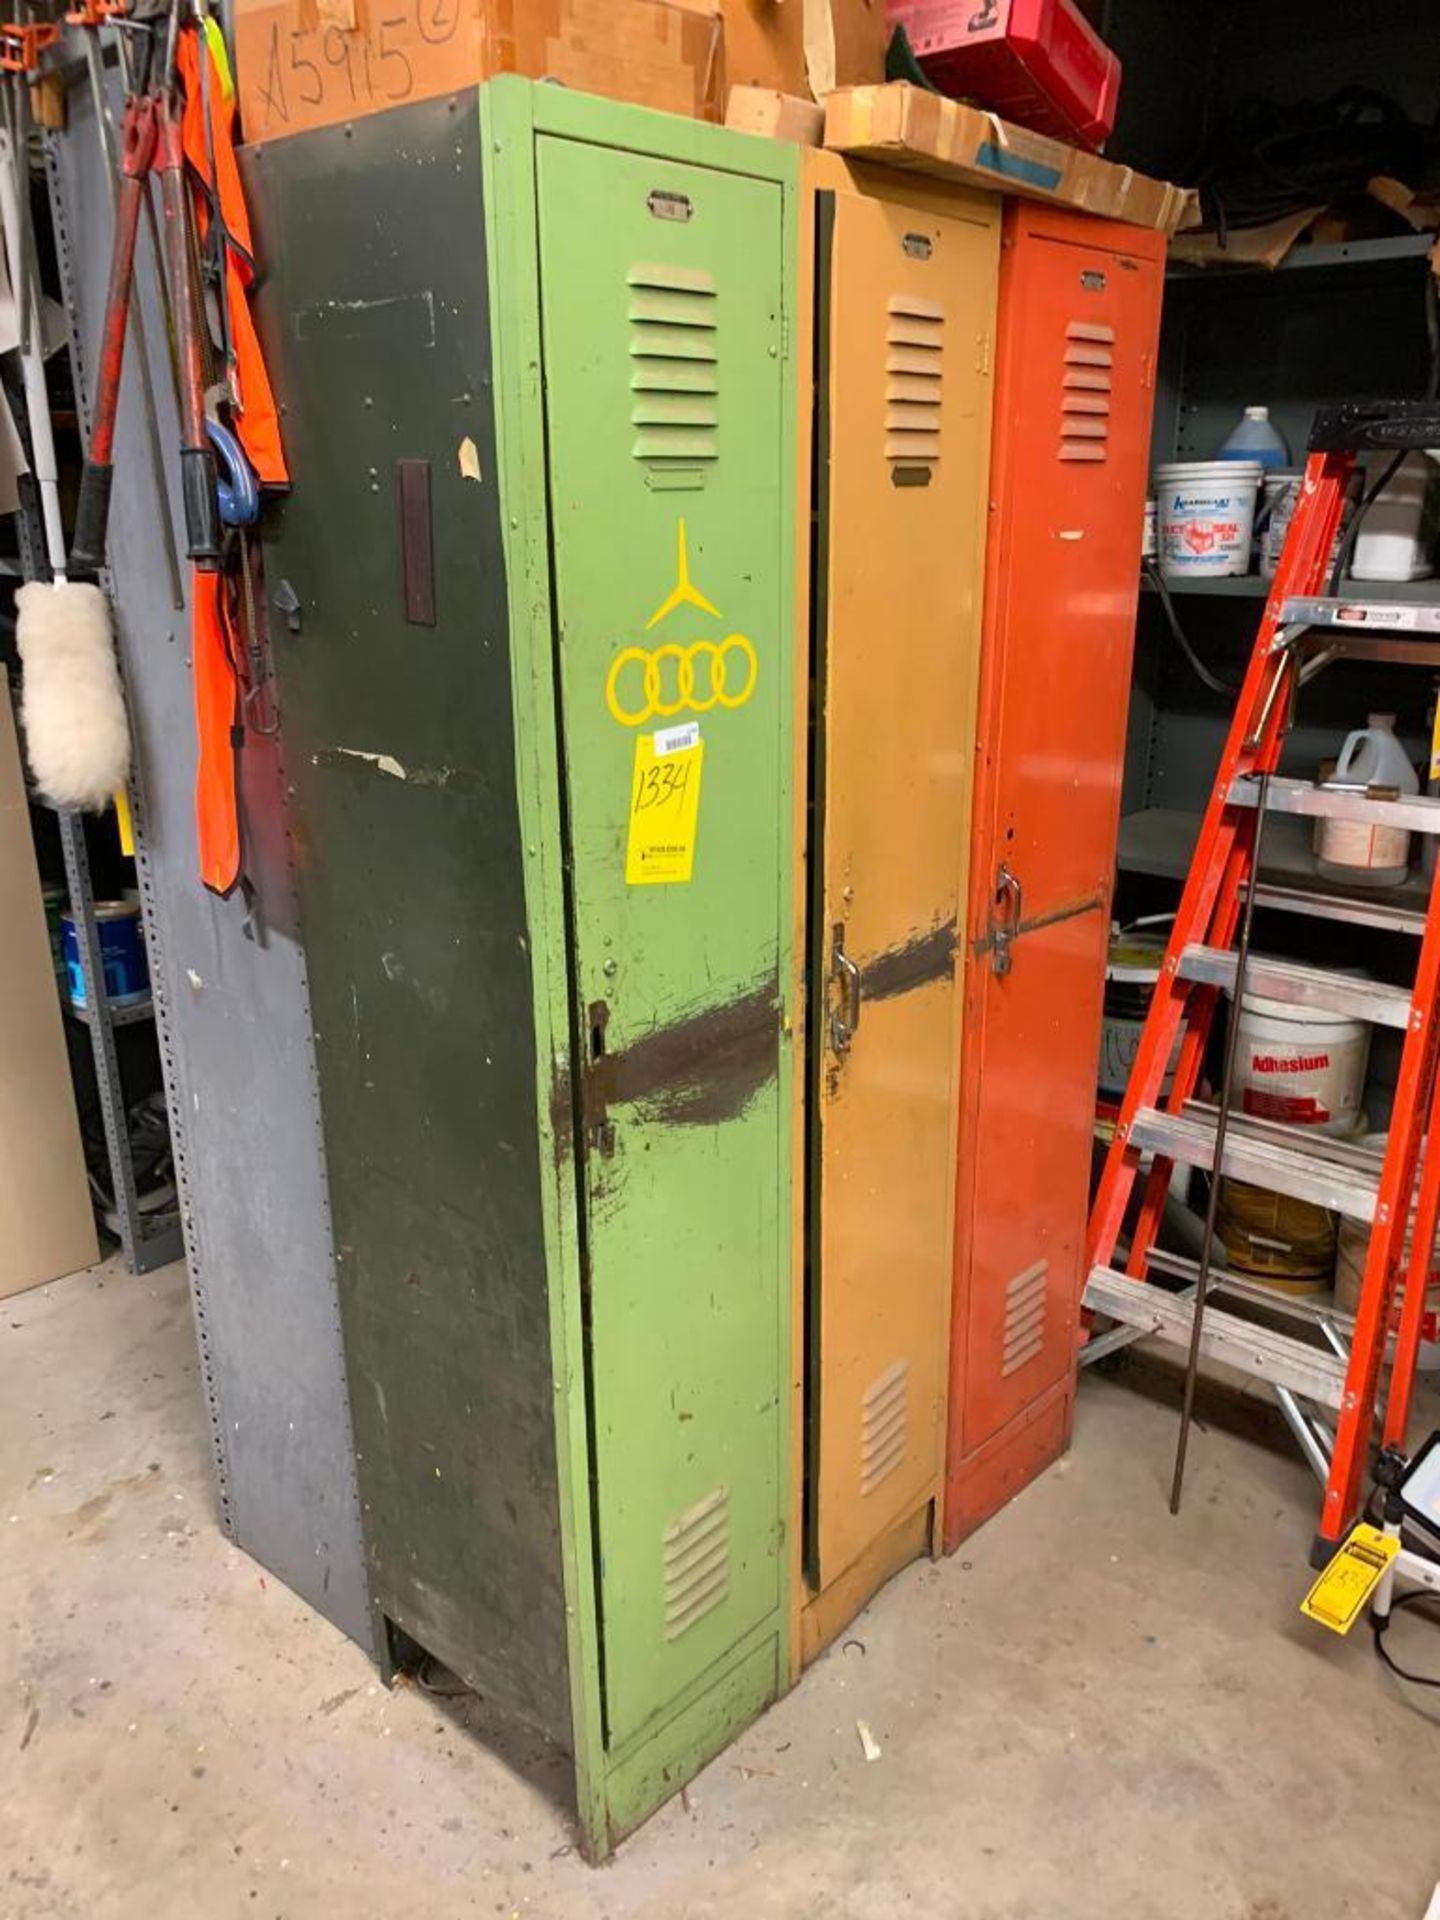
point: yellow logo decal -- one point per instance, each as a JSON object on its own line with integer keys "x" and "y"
{"x": 682, "y": 594}
{"x": 671, "y": 679}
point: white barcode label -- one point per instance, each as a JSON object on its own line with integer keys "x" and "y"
{"x": 676, "y": 739}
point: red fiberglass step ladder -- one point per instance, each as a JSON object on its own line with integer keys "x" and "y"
{"x": 1328, "y": 1386}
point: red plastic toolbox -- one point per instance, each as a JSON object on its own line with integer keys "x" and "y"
{"x": 1038, "y": 62}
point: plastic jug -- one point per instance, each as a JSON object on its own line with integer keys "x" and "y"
{"x": 1255, "y": 439}
{"x": 1352, "y": 850}
{"x": 1395, "y": 535}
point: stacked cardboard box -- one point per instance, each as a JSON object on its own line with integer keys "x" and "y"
{"x": 311, "y": 63}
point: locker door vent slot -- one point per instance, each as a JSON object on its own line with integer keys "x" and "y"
{"x": 1026, "y": 1299}
{"x": 884, "y": 1425}
{"x": 697, "y": 1562}
{"x": 674, "y": 368}
{"x": 1085, "y": 400}
{"x": 914, "y": 368}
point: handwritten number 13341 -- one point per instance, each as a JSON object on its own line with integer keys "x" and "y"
{"x": 661, "y": 783}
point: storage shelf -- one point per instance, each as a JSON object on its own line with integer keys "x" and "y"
{"x": 1160, "y": 840}
{"x": 127, "y": 1015}
{"x": 1251, "y": 586}
{"x": 1398, "y": 250}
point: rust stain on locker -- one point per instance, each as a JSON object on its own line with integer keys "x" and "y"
{"x": 913, "y": 963}
{"x": 699, "y": 1070}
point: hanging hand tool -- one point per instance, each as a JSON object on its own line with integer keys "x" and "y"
{"x": 197, "y": 458}
{"x": 238, "y": 490}
{"x": 150, "y": 140}
{"x": 89, "y": 17}
{"x": 77, "y": 737}
{"x": 20, "y": 48}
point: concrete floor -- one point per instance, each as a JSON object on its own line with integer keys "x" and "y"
{"x": 1093, "y": 1710}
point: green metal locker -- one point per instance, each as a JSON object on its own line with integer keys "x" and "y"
{"x": 531, "y": 606}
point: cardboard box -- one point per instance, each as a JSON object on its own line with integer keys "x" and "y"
{"x": 903, "y": 126}
{"x": 776, "y": 116}
{"x": 47, "y": 1227}
{"x": 312, "y": 63}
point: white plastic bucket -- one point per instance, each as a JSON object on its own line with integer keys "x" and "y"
{"x": 1303, "y": 1068}
{"x": 1207, "y": 516}
{"x": 1149, "y": 544}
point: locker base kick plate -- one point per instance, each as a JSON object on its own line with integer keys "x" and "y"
{"x": 828, "y": 1613}
{"x": 982, "y": 1482}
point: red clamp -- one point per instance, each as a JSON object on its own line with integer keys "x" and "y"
{"x": 94, "y": 13}
{"x": 22, "y": 46}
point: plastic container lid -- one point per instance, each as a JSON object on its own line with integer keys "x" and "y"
{"x": 1135, "y": 961}
{"x": 1287, "y": 1010}
{"x": 1230, "y": 469}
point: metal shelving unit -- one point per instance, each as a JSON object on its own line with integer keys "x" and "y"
{"x": 1400, "y": 250}
{"x": 147, "y": 1239}
{"x": 1252, "y": 586}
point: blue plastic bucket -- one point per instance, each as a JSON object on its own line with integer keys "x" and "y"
{"x": 122, "y": 952}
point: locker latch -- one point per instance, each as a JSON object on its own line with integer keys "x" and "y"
{"x": 844, "y": 1018}
{"x": 1004, "y": 927}
{"x": 599, "y": 1127}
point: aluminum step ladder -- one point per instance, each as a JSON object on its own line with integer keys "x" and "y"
{"x": 1327, "y": 1372}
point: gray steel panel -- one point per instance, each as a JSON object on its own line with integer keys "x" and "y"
{"x": 233, "y": 1020}
{"x": 412, "y": 885}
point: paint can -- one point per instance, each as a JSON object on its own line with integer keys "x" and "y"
{"x": 1150, "y": 539}
{"x": 1279, "y": 497}
{"x": 1131, "y": 972}
{"x": 1207, "y": 517}
{"x": 122, "y": 952}
{"x": 1285, "y": 1243}
{"x": 1302, "y": 1068}
{"x": 57, "y": 905}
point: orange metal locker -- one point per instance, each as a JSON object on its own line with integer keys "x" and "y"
{"x": 1078, "y": 325}
{"x": 905, "y": 299}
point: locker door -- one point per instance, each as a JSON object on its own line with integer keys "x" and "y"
{"x": 1078, "y": 329}
{"x": 663, "y": 336}
{"x": 911, "y": 305}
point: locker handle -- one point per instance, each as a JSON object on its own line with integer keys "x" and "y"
{"x": 844, "y": 1019}
{"x": 1001, "y": 958}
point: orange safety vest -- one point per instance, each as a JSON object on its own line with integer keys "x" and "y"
{"x": 217, "y": 723}
{"x": 214, "y": 640}
{"x": 256, "y": 421}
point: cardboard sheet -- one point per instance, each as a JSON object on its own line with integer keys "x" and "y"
{"x": 776, "y": 116}
{"x": 46, "y": 1225}
{"x": 904, "y": 126}
{"x": 311, "y": 63}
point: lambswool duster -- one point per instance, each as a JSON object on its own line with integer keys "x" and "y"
{"x": 76, "y": 731}
{"x": 77, "y": 734}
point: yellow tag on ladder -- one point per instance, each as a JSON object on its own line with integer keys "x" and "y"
{"x": 1342, "y": 1593}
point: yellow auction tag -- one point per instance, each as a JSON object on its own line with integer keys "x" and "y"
{"x": 1342, "y": 1593}
{"x": 664, "y": 806}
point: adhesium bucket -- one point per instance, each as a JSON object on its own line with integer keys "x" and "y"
{"x": 1300, "y": 1067}
{"x": 1207, "y": 516}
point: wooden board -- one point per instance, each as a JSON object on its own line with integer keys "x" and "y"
{"x": 46, "y": 1225}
